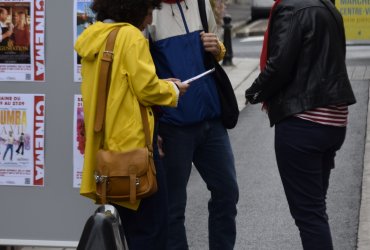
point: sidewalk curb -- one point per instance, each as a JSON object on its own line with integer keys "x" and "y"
{"x": 256, "y": 28}
{"x": 363, "y": 236}
{"x": 236, "y": 26}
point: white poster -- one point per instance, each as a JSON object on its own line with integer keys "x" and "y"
{"x": 22, "y": 40}
{"x": 82, "y": 18}
{"x": 22, "y": 123}
{"x": 78, "y": 141}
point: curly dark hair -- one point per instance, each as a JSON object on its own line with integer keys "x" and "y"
{"x": 129, "y": 11}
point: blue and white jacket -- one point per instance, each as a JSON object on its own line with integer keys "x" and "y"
{"x": 178, "y": 52}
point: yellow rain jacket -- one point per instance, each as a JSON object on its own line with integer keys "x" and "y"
{"x": 133, "y": 80}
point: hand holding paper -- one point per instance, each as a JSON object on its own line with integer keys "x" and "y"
{"x": 183, "y": 87}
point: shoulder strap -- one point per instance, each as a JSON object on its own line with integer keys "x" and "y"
{"x": 103, "y": 90}
{"x": 203, "y": 14}
{"x": 209, "y": 58}
{"x": 104, "y": 80}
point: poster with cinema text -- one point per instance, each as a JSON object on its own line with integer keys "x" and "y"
{"x": 78, "y": 141}
{"x": 22, "y": 40}
{"x": 83, "y": 17}
{"x": 22, "y": 123}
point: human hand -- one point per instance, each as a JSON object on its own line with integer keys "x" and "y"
{"x": 210, "y": 43}
{"x": 252, "y": 94}
{"x": 183, "y": 87}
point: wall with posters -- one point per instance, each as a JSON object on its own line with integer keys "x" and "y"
{"x": 40, "y": 112}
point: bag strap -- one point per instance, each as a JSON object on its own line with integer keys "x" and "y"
{"x": 210, "y": 60}
{"x": 203, "y": 14}
{"x": 104, "y": 80}
{"x": 103, "y": 90}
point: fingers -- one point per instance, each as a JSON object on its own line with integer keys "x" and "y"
{"x": 183, "y": 87}
{"x": 210, "y": 42}
{"x": 208, "y": 36}
{"x": 172, "y": 79}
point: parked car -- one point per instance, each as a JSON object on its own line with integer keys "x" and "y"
{"x": 261, "y": 9}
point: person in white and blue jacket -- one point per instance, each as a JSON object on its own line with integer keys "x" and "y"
{"x": 193, "y": 132}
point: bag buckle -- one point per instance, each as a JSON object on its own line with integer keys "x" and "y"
{"x": 107, "y": 56}
{"x": 100, "y": 178}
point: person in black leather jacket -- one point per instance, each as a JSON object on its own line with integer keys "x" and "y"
{"x": 306, "y": 92}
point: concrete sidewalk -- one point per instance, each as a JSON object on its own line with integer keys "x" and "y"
{"x": 363, "y": 242}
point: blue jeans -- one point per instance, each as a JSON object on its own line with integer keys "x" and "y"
{"x": 305, "y": 153}
{"x": 8, "y": 147}
{"x": 206, "y": 145}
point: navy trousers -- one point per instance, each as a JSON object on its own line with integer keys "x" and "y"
{"x": 207, "y": 145}
{"x": 305, "y": 154}
{"x": 146, "y": 228}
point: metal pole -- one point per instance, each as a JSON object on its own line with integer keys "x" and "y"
{"x": 227, "y": 61}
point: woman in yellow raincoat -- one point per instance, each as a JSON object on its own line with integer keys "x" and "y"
{"x": 133, "y": 80}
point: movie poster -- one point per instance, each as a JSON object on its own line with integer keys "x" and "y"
{"x": 356, "y": 17}
{"x": 78, "y": 141}
{"x": 83, "y": 18}
{"x": 22, "y": 40}
{"x": 22, "y": 123}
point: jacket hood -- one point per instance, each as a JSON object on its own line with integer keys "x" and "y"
{"x": 91, "y": 40}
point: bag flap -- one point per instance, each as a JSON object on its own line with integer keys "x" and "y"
{"x": 114, "y": 164}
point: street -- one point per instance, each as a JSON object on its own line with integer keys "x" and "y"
{"x": 263, "y": 221}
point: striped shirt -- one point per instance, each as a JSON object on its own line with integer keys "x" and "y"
{"x": 333, "y": 115}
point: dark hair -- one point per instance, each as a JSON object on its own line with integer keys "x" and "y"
{"x": 129, "y": 11}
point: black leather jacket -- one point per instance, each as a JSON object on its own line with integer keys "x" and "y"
{"x": 306, "y": 60}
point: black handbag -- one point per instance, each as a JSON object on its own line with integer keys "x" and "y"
{"x": 103, "y": 231}
{"x": 229, "y": 104}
